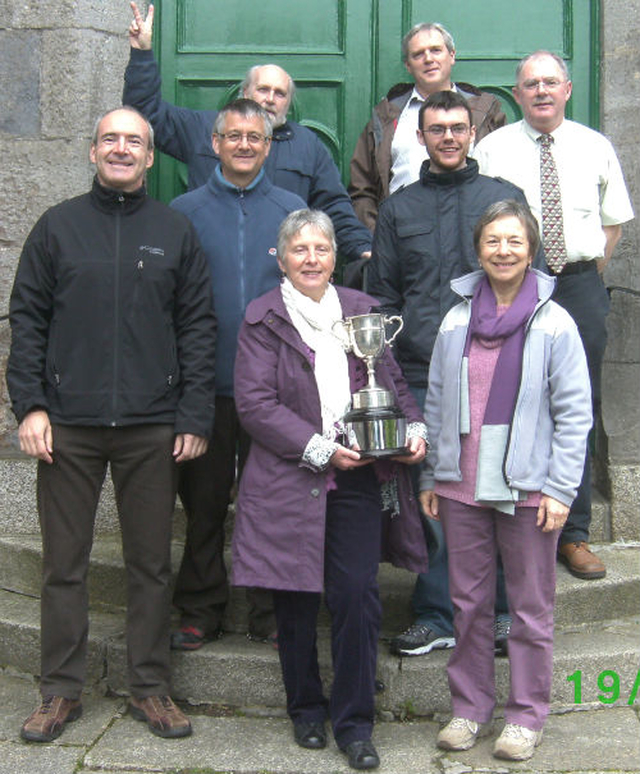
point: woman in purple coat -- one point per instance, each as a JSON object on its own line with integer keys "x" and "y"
{"x": 312, "y": 515}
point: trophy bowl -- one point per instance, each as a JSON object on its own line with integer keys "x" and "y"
{"x": 368, "y": 335}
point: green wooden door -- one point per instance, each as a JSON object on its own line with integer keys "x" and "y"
{"x": 345, "y": 54}
{"x": 206, "y": 47}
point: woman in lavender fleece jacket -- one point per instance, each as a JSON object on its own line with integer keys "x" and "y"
{"x": 509, "y": 412}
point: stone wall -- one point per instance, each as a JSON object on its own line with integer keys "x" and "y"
{"x": 61, "y": 65}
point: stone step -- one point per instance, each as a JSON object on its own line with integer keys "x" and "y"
{"x": 612, "y": 597}
{"x": 107, "y": 739}
{"x": 18, "y": 513}
{"x": 20, "y": 635}
{"x": 235, "y": 672}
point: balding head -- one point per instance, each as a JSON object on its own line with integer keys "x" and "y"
{"x": 272, "y": 88}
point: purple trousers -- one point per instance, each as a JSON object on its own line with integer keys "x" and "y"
{"x": 474, "y": 535}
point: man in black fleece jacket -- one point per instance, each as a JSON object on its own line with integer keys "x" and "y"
{"x": 113, "y": 344}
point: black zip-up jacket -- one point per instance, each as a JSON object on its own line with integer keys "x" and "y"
{"x": 423, "y": 240}
{"x": 112, "y": 316}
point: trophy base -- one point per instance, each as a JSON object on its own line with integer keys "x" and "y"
{"x": 380, "y": 432}
{"x": 381, "y": 453}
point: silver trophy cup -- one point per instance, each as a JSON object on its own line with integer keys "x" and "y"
{"x": 379, "y": 426}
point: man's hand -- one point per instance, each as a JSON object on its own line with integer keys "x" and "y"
{"x": 36, "y": 438}
{"x": 612, "y": 236}
{"x": 366, "y": 255}
{"x": 429, "y": 502}
{"x": 552, "y": 514}
{"x": 188, "y": 447}
{"x": 141, "y": 30}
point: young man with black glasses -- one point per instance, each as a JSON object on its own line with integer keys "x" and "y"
{"x": 423, "y": 240}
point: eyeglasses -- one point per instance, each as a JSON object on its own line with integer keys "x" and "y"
{"x": 534, "y": 84}
{"x": 437, "y": 130}
{"x": 253, "y": 138}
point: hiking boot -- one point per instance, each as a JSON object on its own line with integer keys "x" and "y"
{"x": 47, "y": 722}
{"x": 161, "y": 715}
{"x": 419, "y": 639}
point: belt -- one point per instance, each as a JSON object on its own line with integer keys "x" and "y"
{"x": 577, "y": 267}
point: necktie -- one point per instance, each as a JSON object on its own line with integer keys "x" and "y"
{"x": 552, "y": 227}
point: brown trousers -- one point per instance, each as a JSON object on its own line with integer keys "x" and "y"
{"x": 144, "y": 477}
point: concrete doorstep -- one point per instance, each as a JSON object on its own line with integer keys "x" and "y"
{"x": 106, "y": 739}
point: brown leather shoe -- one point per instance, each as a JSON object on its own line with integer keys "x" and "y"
{"x": 581, "y": 561}
{"x": 161, "y": 715}
{"x": 47, "y": 722}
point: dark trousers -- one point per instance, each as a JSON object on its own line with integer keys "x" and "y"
{"x": 431, "y": 600}
{"x": 352, "y": 555}
{"x": 144, "y": 478}
{"x": 586, "y": 299}
{"x": 204, "y": 485}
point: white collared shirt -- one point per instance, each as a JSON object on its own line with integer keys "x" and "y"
{"x": 592, "y": 186}
{"x": 407, "y": 154}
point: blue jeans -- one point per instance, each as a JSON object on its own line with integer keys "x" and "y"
{"x": 431, "y": 600}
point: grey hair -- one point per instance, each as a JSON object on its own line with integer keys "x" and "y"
{"x": 538, "y": 55}
{"x": 297, "y": 220}
{"x": 246, "y": 108}
{"x": 509, "y": 208}
{"x": 250, "y": 77}
{"x": 427, "y": 27}
{"x": 128, "y": 109}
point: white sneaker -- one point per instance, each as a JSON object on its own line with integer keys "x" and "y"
{"x": 516, "y": 743}
{"x": 458, "y": 734}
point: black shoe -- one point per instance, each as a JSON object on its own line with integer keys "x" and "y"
{"x": 362, "y": 754}
{"x": 192, "y": 637}
{"x": 501, "y": 630}
{"x": 310, "y": 734}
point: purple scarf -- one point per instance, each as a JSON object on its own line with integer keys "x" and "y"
{"x": 510, "y": 326}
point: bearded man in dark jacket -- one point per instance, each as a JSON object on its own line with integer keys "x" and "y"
{"x": 111, "y": 361}
{"x": 298, "y": 162}
{"x": 423, "y": 240}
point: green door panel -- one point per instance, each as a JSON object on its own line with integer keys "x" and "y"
{"x": 344, "y": 55}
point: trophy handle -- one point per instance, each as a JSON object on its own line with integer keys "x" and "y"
{"x": 397, "y": 319}
{"x": 346, "y": 331}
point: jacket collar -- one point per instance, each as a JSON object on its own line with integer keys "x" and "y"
{"x": 284, "y": 132}
{"x": 109, "y": 199}
{"x": 269, "y": 309}
{"x": 458, "y": 177}
{"x": 219, "y": 184}
{"x": 465, "y": 285}
{"x": 401, "y": 92}
{"x": 352, "y": 302}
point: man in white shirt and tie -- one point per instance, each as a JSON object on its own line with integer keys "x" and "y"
{"x": 579, "y": 242}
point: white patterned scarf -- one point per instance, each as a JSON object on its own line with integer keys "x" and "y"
{"x": 314, "y": 321}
